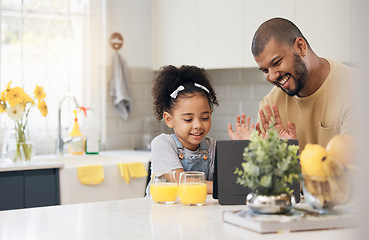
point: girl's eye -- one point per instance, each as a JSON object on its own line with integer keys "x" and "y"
{"x": 205, "y": 118}
{"x": 187, "y": 120}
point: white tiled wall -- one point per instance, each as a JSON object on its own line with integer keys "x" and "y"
{"x": 238, "y": 90}
{"x": 123, "y": 134}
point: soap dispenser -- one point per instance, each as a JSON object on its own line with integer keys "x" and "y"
{"x": 77, "y": 146}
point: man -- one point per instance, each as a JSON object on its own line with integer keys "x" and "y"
{"x": 313, "y": 98}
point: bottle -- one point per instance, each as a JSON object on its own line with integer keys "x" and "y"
{"x": 92, "y": 135}
{"x": 77, "y": 146}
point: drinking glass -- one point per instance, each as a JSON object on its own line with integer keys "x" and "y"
{"x": 192, "y": 188}
{"x": 163, "y": 187}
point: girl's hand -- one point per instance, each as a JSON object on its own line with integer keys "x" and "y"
{"x": 243, "y": 129}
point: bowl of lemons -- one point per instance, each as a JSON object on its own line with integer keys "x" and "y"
{"x": 327, "y": 179}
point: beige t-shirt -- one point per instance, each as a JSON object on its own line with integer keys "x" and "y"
{"x": 331, "y": 110}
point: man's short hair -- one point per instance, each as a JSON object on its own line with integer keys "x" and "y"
{"x": 280, "y": 29}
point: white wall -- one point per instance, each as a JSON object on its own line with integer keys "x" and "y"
{"x": 132, "y": 19}
{"x": 238, "y": 90}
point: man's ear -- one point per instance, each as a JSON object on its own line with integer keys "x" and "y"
{"x": 168, "y": 119}
{"x": 301, "y": 46}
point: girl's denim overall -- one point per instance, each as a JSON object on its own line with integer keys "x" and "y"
{"x": 194, "y": 162}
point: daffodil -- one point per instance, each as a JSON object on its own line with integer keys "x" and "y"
{"x": 15, "y": 112}
{"x": 42, "y": 107}
{"x": 39, "y": 93}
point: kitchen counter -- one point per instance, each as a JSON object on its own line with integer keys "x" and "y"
{"x": 7, "y": 165}
{"x": 138, "y": 218}
{"x": 113, "y": 187}
{"x": 72, "y": 190}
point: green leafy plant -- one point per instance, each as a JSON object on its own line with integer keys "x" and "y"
{"x": 270, "y": 164}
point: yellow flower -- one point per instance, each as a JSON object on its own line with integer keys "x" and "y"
{"x": 8, "y": 86}
{"x": 15, "y": 112}
{"x": 14, "y": 96}
{"x": 39, "y": 93}
{"x": 16, "y": 101}
{"x": 43, "y": 107}
{"x": 2, "y": 108}
{"x": 27, "y": 99}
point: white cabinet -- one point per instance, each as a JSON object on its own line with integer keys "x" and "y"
{"x": 327, "y": 26}
{"x": 255, "y": 13}
{"x": 217, "y": 34}
{"x": 220, "y": 35}
{"x": 174, "y": 32}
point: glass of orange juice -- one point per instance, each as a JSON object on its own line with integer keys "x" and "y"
{"x": 163, "y": 187}
{"x": 192, "y": 188}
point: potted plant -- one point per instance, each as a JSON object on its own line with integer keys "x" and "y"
{"x": 270, "y": 166}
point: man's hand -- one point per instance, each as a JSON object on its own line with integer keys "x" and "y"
{"x": 265, "y": 119}
{"x": 243, "y": 129}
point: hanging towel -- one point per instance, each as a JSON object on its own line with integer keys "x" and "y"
{"x": 132, "y": 170}
{"x": 137, "y": 170}
{"x": 124, "y": 172}
{"x": 119, "y": 87}
{"x": 91, "y": 175}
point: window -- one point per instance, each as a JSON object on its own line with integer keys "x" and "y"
{"x": 46, "y": 42}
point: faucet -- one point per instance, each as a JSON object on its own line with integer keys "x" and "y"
{"x": 60, "y": 142}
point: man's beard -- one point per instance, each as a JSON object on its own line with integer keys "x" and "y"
{"x": 300, "y": 76}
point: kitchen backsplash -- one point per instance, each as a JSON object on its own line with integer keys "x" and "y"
{"x": 238, "y": 90}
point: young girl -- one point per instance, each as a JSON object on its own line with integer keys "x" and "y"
{"x": 184, "y": 98}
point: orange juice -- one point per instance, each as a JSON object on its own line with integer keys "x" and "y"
{"x": 192, "y": 193}
{"x": 164, "y": 192}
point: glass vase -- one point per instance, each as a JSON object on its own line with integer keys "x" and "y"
{"x": 18, "y": 145}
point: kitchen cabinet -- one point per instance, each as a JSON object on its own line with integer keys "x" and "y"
{"x": 327, "y": 25}
{"x": 29, "y": 188}
{"x": 174, "y": 32}
{"x": 218, "y": 34}
{"x": 113, "y": 187}
{"x": 255, "y": 13}
{"x": 210, "y": 34}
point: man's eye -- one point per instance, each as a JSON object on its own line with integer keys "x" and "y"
{"x": 265, "y": 71}
{"x": 277, "y": 63}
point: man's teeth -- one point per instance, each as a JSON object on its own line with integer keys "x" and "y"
{"x": 284, "y": 80}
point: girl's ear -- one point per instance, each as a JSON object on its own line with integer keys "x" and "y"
{"x": 168, "y": 119}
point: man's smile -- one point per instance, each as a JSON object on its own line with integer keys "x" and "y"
{"x": 282, "y": 81}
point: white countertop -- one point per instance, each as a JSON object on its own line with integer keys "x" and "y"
{"x": 138, "y": 218}
{"x": 54, "y": 161}
{"x": 7, "y": 165}
{"x": 111, "y": 157}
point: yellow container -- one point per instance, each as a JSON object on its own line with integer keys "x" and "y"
{"x": 77, "y": 146}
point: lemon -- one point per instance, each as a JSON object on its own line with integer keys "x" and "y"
{"x": 344, "y": 148}
{"x": 311, "y": 160}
